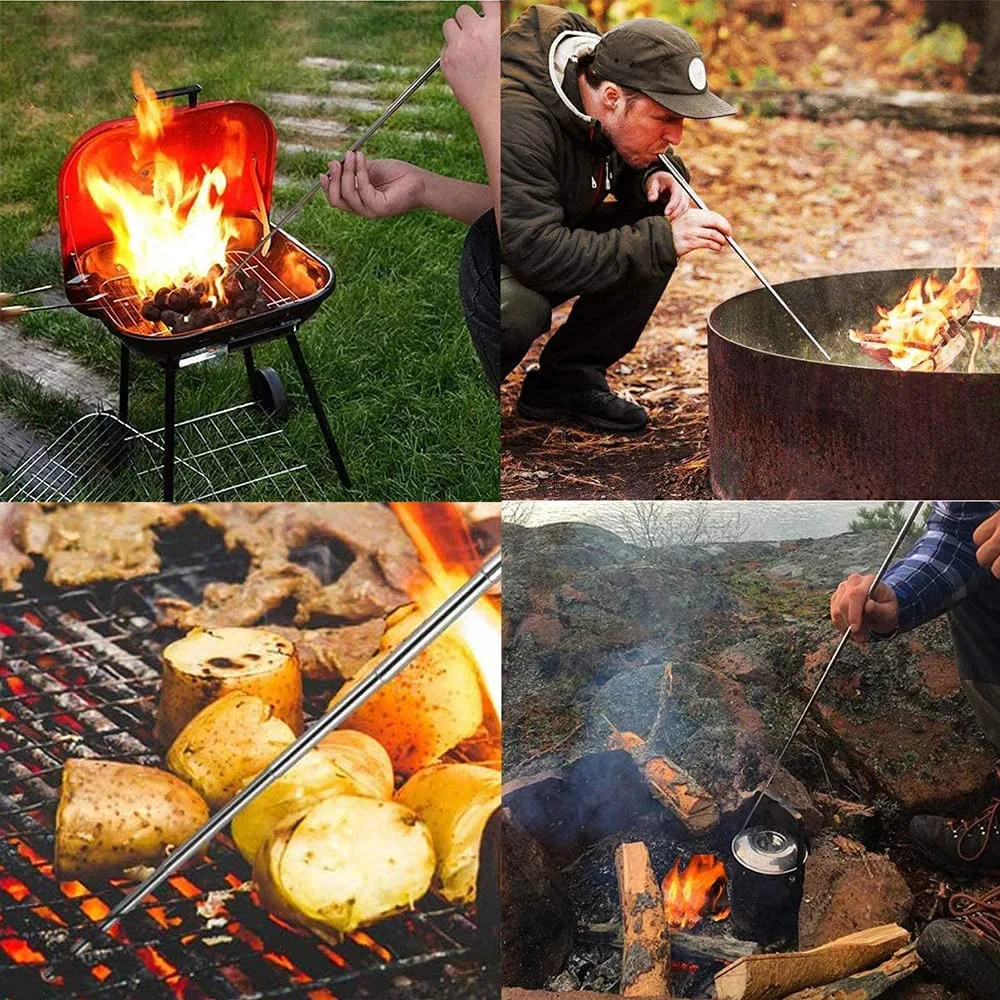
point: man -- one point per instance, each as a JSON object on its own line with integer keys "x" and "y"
{"x": 585, "y": 116}
{"x": 380, "y": 189}
{"x": 954, "y": 568}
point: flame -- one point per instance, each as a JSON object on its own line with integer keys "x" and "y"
{"x": 696, "y": 892}
{"x": 449, "y": 558}
{"x": 167, "y": 226}
{"x": 928, "y": 316}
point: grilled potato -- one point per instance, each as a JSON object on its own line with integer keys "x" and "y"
{"x": 208, "y": 663}
{"x": 455, "y": 801}
{"x": 343, "y": 763}
{"x": 113, "y": 817}
{"x": 346, "y": 863}
{"x": 428, "y": 708}
{"x": 226, "y": 744}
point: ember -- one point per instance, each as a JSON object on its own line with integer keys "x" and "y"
{"x": 696, "y": 892}
{"x": 924, "y": 331}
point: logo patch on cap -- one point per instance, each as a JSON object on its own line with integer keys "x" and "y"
{"x": 696, "y": 74}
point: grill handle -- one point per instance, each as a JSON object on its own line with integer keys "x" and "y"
{"x": 189, "y": 90}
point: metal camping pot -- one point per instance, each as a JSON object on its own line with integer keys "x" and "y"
{"x": 765, "y": 886}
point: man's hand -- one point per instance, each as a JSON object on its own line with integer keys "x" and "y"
{"x": 696, "y": 229}
{"x": 470, "y": 59}
{"x": 663, "y": 186}
{"x": 375, "y": 190}
{"x": 987, "y": 539}
{"x": 850, "y": 607}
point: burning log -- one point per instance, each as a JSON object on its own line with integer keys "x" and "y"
{"x": 774, "y": 976}
{"x": 867, "y": 985}
{"x": 923, "y": 331}
{"x": 693, "y": 949}
{"x": 669, "y": 785}
{"x": 646, "y": 950}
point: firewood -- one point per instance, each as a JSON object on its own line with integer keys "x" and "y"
{"x": 775, "y": 976}
{"x": 695, "y": 949}
{"x": 646, "y": 948}
{"x": 514, "y": 993}
{"x": 867, "y": 985}
{"x": 669, "y": 785}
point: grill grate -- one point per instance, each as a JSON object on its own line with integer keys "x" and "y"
{"x": 237, "y": 452}
{"x": 123, "y": 303}
{"x": 79, "y": 675}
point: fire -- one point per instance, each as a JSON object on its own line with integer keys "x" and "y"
{"x": 167, "y": 225}
{"x": 449, "y": 558}
{"x": 923, "y": 331}
{"x": 696, "y": 892}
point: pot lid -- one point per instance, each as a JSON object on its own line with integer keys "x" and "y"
{"x": 768, "y": 852}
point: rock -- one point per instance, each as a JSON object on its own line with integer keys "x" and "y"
{"x": 848, "y": 889}
{"x": 628, "y": 701}
{"x": 546, "y": 631}
{"x": 569, "y": 809}
{"x": 785, "y": 571}
{"x": 537, "y": 920}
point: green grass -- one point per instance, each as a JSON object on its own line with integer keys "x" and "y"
{"x": 388, "y": 350}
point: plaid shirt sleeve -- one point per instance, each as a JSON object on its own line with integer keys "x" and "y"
{"x": 941, "y": 569}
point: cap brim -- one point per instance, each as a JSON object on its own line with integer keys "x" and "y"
{"x": 704, "y": 105}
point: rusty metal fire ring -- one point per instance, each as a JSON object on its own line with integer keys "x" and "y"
{"x": 784, "y": 424}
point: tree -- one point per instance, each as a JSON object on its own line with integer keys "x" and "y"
{"x": 980, "y": 20}
{"x": 652, "y": 524}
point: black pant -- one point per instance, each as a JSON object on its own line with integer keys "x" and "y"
{"x": 479, "y": 289}
{"x": 975, "y": 629}
{"x": 602, "y": 326}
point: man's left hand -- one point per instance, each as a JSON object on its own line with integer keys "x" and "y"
{"x": 663, "y": 186}
{"x": 987, "y": 539}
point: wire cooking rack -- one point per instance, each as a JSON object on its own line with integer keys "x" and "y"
{"x": 79, "y": 674}
{"x": 124, "y": 304}
{"x": 99, "y": 457}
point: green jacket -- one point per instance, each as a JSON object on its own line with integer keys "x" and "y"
{"x": 557, "y": 168}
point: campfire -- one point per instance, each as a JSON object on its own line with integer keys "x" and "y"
{"x": 926, "y": 330}
{"x": 695, "y": 892}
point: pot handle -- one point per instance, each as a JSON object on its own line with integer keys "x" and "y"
{"x": 189, "y": 90}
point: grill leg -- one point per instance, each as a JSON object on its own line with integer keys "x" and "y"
{"x": 317, "y": 405}
{"x": 123, "y": 386}
{"x": 248, "y": 358}
{"x": 170, "y": 390}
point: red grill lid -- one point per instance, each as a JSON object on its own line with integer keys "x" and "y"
{"x": 236, "y": 135}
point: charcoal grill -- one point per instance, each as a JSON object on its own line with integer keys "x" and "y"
{"x": 294, "y": 281}
{"x": 785, "y": 425}
{"x": 79, "y": 676}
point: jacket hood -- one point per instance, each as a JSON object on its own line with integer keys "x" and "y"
{"x": 537, "y": 49}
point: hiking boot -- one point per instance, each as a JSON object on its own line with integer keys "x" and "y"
{"x": 965, "y": 951}
{"x": 591, "y": 405}
{"x": 971, "y": 848}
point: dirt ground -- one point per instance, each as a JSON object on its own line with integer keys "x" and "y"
{"x": 805, "y": 199}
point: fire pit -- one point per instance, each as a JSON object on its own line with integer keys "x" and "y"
{"x": 79, "y": 672}
{"x": 783, "y": 424}
{"x": 155, "y": 214}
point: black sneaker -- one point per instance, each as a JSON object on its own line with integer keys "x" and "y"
{"x": 965, "y": 848}
{"x": 965, "y": 951}
{"x": 593, "y": 406}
